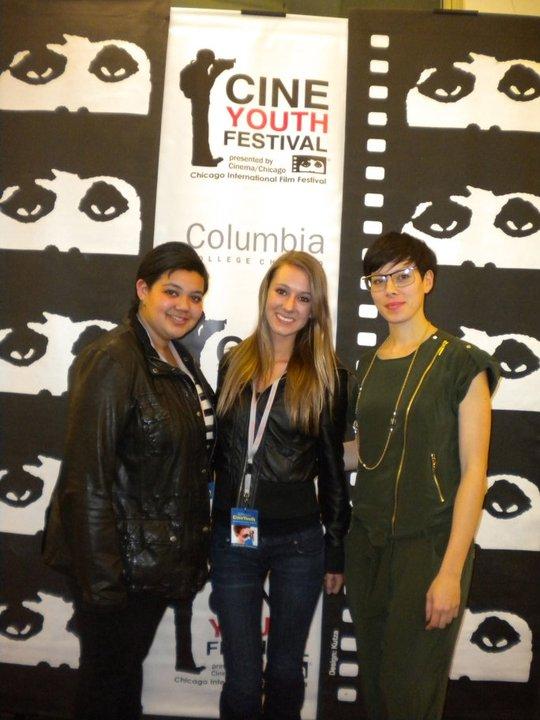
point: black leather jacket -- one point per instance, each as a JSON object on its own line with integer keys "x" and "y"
{"x": 131, "y": 508}
{"x": 288, "y": 456}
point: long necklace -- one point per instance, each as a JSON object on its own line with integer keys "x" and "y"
{"x": 393, "y": 418}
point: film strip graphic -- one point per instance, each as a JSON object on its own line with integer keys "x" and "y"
{"x": 344, "y": 661}
{"x": 375, "y": 170}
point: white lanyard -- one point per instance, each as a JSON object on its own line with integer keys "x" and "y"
{"x": 255, "y": 437}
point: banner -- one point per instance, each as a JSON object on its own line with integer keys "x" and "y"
{"x": 251, "y": 163}
{"x": 251, "y": 152}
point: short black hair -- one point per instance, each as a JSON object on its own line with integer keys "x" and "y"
{"x": 394, "y": 247}
{"x": 168, "y": 258}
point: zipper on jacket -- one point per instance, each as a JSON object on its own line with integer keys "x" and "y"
{"x": 434, "y": 475}
{"x": 438, "y": 353}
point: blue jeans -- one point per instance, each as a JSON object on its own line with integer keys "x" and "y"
{"x": 295, "y": 563}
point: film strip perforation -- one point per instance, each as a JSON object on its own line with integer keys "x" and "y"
{"x": 375, "y": 169}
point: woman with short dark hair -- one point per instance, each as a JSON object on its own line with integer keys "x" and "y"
{"x": 129, "y": 518}
{"x": 423, "y": 419}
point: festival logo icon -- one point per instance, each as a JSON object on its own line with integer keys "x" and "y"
{"x": 196, "y": 81}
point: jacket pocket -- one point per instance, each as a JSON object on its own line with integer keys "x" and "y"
{"x": 434, "y": 475}
{"x": 155, "y": 425}
{"x": 153, "y": 553}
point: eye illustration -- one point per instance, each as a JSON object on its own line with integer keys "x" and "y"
{"x": 443, "y": 219}
{"x": 520, "y": 83}
{"x": 505, "y": 500}
{"x": 516, "y": 360}
{"x": 20, "y": 490}
{"x": 20, "y": 623}
{"x": 447, "y": 85}
{"x": 518, "y": 218}
{"x": 23, "y": 346}
{"x": 113, "y": 64}
{"x": 103, "y": 202}
{"x": 38, "y": 67}
{"x": 495, "y": 635}
{"x": 27, "y": 203}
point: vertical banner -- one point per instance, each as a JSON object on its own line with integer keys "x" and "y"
{"x": 443, "y": 142}
{"x": 81, "y": 89}
{"x": 251, "y": 151}
{"x": 251, "y": 164}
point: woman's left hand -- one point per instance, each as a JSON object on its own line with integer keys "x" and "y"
{"x": 442, "y": 601}
{"x": 333, "y": 582}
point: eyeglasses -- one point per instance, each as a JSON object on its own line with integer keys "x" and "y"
{"x": 400, "y": 278}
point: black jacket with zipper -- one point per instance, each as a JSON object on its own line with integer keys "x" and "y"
{"x": 286, "y": 465}
{"x": 130, "y": 511}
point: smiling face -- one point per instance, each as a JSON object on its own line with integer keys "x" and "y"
{"x": 288, "y": 304}
{"x": 171, "y": 306}
{"x": 401, "y": 304}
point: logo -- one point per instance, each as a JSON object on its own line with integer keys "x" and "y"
{"x": 196, "y": 82}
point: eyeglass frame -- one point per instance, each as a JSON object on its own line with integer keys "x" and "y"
{"x": 367, "y": 278}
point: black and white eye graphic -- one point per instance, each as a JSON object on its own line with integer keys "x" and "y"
{"x": 446, "y": 85}
{"x": 483, "y": 92}
{"x": 516, "y": 359}
{"x": 113, "y": 64}
{"x": 37, "y": 67}
{"x": 483, "y": 228}
{"x": 519, "y": 387}
{"x": 506, "y": 500}
{"x": 102, "y": 213}
{"x": 518, "y": 218}
{"x": 19, "y": 490}
{"x": 22, "y": 346}
{"x": 494, "y": 645}
{"x": 103, "y": 202}
{"x": 309, "y": 164}
{"x": 26, "y": 203}
{"x": 495, "y": 635}
{"x": 107, "y": 76}
{"x": 442, "y": 220}
{"x": 25, "y": 493}
{"x": 36, "y": 632}
{"x": 520, "y": 83}
{"x": 49, "y": 371}
{"x": 20, "y": 623}
{"x": 511, "y": 515}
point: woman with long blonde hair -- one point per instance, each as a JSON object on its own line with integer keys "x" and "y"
{"x": 282, "y": 407}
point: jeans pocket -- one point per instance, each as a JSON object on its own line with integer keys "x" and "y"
{"x": 309, "y": 542}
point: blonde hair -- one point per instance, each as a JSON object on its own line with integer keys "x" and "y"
{"x": 311, "y": 371}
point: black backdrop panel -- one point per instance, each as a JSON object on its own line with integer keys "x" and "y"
{"x": 443, "y": 142}
{"x": 81, "y": 91}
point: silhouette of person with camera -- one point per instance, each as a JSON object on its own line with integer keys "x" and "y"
{"x": 196, "y": 82}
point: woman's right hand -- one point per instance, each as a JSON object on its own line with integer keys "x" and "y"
{"x": 350, "y": 455}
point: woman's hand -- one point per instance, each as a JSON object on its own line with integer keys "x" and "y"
{"x": 350, "y": 455}
{"x": 333, "y": 582}
{"x": 442, "y": 601}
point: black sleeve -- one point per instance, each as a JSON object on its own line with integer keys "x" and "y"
{"x": 332, "y": 484}
{"x": 98, "y": 405}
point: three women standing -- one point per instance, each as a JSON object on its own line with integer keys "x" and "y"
{"x": 282, "y": 405}
{"x": 423, "y": 414}
{"x": 129, "y": 519}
